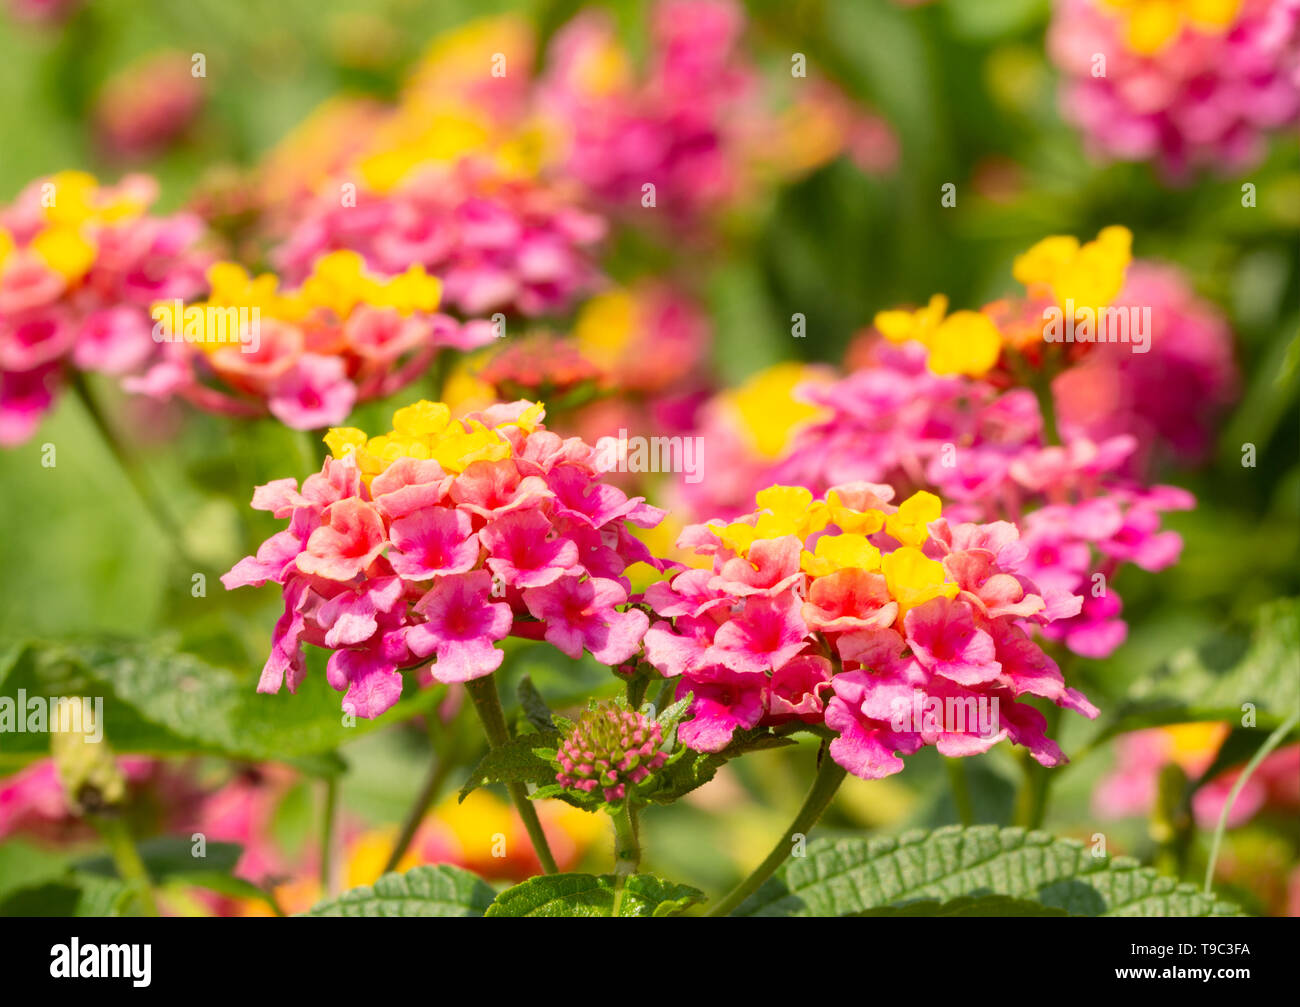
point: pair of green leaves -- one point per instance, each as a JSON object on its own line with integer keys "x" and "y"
{"x": 976, "y": 871}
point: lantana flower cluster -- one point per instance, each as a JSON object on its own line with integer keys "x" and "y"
{"x": 1081, "y": 513}
{"x": 437, "y": 540}
{"x": 610, "y": 749}
{"x": 1058, "y": 273}
{"x": 878, "y": 623}
{"x": 694, "y": 124}
{"x": 500, "y": 243}
{"x": 305, "y": 355}
{"x": 1187, "y": 85}
{"x": 80, "y": 265}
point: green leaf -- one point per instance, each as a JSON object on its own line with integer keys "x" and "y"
{"x": 1213, "y": 682}
{"x": 26, "y": 866}
{"x": 691, "y": 770}
{"x": 161, "y": 701}
{"x": 592, "y": 895}
{"x": 84, "y": 895}
{"x": 967, "y": 905}
{"x": 514, "y": 762}
{"x": 431, "y": 890}
{"x": 167, "y": 857}
{"x": 672, "y": 715}
{"x": 534, "y": 706}
{"x": 848, "y": 876}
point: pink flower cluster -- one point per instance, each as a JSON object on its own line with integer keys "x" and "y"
{"x": 1170, "y": 397}
{"x": 309, "y": 356}
{"x": 34, "y": 804}
{"x": 392, "y": 560}
{"x": 1207, "y": 97}
{"x": 611, "y": 749}
{"x": 674, "y": 129}
{"x": 498, "y": 244}
{"x": 891, "y": 646}
{"x": 1081, "y": 516}
{"x": 80, "y": 266}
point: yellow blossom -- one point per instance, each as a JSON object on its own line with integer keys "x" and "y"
{"x": 899, "y": 326}
{"x": 908, "y": 523}
{"x": 840, "y": 552}
{"x": 913, "y": 578}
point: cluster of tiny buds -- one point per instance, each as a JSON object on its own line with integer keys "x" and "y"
{"x": 610, "y": 747}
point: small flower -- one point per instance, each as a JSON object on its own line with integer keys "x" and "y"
{"x": 612, "y": 749}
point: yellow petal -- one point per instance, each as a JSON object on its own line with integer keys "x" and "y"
{"x": 65, "y": 250}
{"x": 966, "y": 343}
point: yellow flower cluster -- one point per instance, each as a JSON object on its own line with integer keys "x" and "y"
{"x": 427, "y": 430}
{"x": 339, "y": 283}
{"x": 75, "y": 206}
{"x": 1087, "y": 275}
{"x": 965, "y": 342}
{"x": 911, "y": 577}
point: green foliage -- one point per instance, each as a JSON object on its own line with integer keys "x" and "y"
{"x": 591, "y": 895}
{"x": 515, "y": 762}
{"x": 161, "y": 701}
{"x": 1214, "y": 681}
{"x": 967, "y": 905}
{"x": 851, "y": 876}
{"x": 438, "y": 890}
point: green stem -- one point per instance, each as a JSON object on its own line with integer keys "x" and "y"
{"x": 130, "y": 467}
{"x": 829, "y": 777}
{"x": 1270, "y": 743}
{"x": 627, "y": 851}
{"x": 1042, "y": 385}
{"x": 439, "y": 768}
{"x": 327, "y": 836}
{"x": 130, "y": 868}
{"x": 960, "y": 791}
{"x": 636, "y": 689}
{"x": 487, "y": 704}
{"x": 1036, "y": 780}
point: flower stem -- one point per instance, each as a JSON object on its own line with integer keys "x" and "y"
{"x": 1042, "y": 385}
{"x": 330, "y": 817}
{"x": 439, "y": 768}
{"x": 487, "y": 704}
{"x": 1270, "y": 743}
{"x": 627, "y": 851}
{"x": 829, "y": 777}
{"x": 130, "y": 868}
{"x": 130, "y": 467}
{"x": 960, "y": 791}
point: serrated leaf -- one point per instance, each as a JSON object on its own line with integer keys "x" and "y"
{"x": 692, "y": 770}
{"x": 431, "y": 890}
{"x": 514, "y": 762}
{"x": 593, "y": 895}
{"x": 161, "y": 701}
{"x": 847, "y": 876}
{"x": 1213, "y": 681}
{"x": 82, "y": 895}
{"x": 968, "y": 905}
{"x": 671, "y": 716}
{"x": 534, "y": 706}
